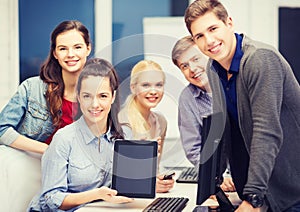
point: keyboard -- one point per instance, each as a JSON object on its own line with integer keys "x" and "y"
{"x": 167, "y": 204}
{"x": 188, "y": 175}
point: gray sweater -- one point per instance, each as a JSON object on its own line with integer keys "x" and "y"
{"x": 268, "y": 101}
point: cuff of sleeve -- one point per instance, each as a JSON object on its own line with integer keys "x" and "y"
{"x": 54, "y": 201}
{"x": 9, "y": 136}
{"x": 194, "y": 159}
{"x": 248, "y": 190}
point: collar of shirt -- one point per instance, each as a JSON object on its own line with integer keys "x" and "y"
{"x": 87, "y": 134}
{"x": 196, "y": 91}
{"x": 236, "y": 60}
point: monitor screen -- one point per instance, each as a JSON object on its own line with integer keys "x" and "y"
{"x": 210, "y": 171}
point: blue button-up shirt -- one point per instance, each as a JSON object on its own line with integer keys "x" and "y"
{"x": 230, "y": 85}
{"x": 74, "y": 162}
{"x": 194, "y": 104}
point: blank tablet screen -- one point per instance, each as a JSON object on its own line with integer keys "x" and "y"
{"x": 134, "y": 168}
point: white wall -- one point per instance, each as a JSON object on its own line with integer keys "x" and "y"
{"x": 160, "y": 35}
{"x": 103, "y": 28}
{"x": 9, "y": 54}
{"x": 256, "y": 18}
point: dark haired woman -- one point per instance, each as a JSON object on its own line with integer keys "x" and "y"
{"x": 41, "y": 105}
{"x": 81, "y": 153}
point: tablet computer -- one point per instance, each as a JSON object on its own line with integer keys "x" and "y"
{"x": 134, "y": 168}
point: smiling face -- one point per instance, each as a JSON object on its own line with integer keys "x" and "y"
{"x": 96, "y": 98}
{"x": 192, "y": 64}
{"x": 71, "y": 51}
{"x": 148, "y": 89}
{"x": 215, "y": 38}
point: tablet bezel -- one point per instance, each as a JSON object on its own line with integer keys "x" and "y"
{"x": 154, "y": 146}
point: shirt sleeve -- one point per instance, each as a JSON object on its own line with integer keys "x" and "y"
{"x": 190, "y": 130}
{"x": 12, "y": 114}
{"x": 265, "y": 90}
{"x": 54, "y": 173}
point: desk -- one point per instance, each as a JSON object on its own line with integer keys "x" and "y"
{"x": 179, "y": 190}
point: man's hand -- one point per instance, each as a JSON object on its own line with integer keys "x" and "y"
{"x": 246, "y": 207}
{"x": 228, "y": 185}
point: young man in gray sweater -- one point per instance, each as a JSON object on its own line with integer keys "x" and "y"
{"x": 194, "y": 101}
{"x": 263, "y": 107}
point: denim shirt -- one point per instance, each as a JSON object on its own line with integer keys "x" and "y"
{"x": 26, "y": 113}
{"x": 194, "y": 104}
{"x": 74, "y": 162}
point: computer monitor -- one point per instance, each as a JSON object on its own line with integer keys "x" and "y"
{"x": 210, "y": 166}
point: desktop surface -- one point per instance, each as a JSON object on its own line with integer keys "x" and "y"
{"x": 187, "y": 190}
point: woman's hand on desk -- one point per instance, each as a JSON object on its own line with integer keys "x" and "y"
{"x": 162, "y": 185}
{"x": 110, "y": 195}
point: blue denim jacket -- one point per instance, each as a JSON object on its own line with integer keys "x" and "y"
{"x": 26, "y": 113}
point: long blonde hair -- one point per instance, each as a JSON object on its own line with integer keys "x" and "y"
{"x": 134, "y": 117}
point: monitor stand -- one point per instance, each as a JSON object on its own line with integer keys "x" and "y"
{"x": 224, "y": 203}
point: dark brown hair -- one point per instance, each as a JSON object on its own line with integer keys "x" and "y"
{"x": 51, "y": 71}
{"x": 103, "y": 68}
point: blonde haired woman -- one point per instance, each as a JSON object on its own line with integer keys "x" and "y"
{"x": 147, "y": 81}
